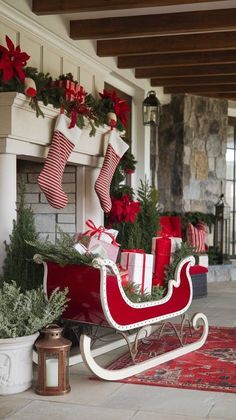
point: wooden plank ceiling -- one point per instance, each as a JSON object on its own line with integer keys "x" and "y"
{"x": 184, "y": 46}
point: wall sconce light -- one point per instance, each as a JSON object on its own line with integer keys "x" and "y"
{"x": 151, "y": 109}
{"x": 53, "y": 362}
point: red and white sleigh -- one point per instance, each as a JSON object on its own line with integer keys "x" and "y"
{"x": 97, "y": 297}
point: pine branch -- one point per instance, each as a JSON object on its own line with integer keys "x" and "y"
{"x": 62, "y": 252}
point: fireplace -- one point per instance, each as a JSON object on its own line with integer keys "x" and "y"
{"x": 24, "y": 142}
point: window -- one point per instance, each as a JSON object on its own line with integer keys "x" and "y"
{"x": 230, "y": 187}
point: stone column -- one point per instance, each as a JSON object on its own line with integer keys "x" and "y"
{"x": 192, "y": 146}
{"x": 8, "y": 188}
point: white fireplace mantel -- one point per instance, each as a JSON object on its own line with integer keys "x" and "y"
{"x": 25, "y": 135}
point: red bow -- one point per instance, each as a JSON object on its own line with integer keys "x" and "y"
{"x": 98, "y": 230}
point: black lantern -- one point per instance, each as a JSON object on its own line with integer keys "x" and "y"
{"x": 53, "y": 362}
{"x": 222, "y": 230}
{"x": 151, "y": 109}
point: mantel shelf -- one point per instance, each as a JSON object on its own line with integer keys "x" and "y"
{"x": 29, "y": 137}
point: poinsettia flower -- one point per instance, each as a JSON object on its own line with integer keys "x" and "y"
{"x": 132, "y": 210}
{"x": 121, "y": 108}
{"x": 12, "y": 61}
{"x": 123, "y": 210}
{"x": 116, "y": 212}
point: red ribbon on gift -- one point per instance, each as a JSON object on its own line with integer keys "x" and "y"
{"x": 98, "y": 230}
{"x": 162, "y": 258}
{"x": 137, "y": 251}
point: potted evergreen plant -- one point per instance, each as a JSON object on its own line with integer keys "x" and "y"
{"x": 22, "y": 315}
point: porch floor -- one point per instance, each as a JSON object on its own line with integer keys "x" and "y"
{"x": 90, "y": 399}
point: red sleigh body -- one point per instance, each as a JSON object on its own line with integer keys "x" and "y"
{"x": 97, "y": 297}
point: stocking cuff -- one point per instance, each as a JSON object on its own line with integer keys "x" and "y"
{"x": 62, "y": 125}
{"x": 119, "y": 145}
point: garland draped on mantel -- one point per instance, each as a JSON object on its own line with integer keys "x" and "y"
{"x": 64, "y": 92}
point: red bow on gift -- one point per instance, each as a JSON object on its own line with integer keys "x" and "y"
{"x": 77, "y": 105}
{"x": 98, "y": 230}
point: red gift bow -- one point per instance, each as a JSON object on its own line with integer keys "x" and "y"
{"x": 72, "y": 90}
{"x": 75, "y": 92}
{"x": 165, "y": 231}
{"x": 101, "y": 229}
{"x": 137, "y": 251}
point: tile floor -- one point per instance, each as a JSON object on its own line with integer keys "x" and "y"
{"x": 90, "y": 399}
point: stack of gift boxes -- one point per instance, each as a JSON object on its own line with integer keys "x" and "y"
{"x": 136, "y": 266}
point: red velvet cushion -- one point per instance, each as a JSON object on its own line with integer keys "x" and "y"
{"x": 198, "y": 269}
{"x": 196, "y": 236}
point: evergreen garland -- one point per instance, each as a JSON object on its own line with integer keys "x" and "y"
{"x": 18, "y": 264}
{"x": 181, "y": 252}
{"x": 118, "y": 184}
{"x": 194, "y": 218}
{"x": 134, "y": 294}
{"x": 148, "y": 218}
{"x": 62, "y": 252}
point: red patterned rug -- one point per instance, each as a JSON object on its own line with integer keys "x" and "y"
{"x": 211, "y": 368}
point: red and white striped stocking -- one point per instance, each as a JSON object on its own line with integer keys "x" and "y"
{"x": 50, "y": 178}
{"x": 115, "y": 150}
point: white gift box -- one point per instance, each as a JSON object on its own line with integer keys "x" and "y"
{"x": 175, "y": 243}
{"x": 80, "y": 248}
{"x": 107, "y": 236}
{"x": 139, "y": 269}
{"x": 203, "y": 260}
{"x": 110, "y": 249}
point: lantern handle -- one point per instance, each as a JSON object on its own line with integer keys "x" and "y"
{"x": 52, "y": 325}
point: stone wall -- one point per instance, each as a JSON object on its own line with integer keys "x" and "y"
{"x": 170, "y": 151}
{"x": 46, "y": 217}
{"x": 192, "y": 141}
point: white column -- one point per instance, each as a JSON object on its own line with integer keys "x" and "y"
{"x": 88, "y": 206}
{"x": 8, "y": 191}
{"x": 92, "y": 206}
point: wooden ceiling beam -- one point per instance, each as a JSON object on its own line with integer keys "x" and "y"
{"x": 176, "y": 60}
{"x": 212, "y": 69}
{"x": 224, "y": 95}
{"x": 196, "y": 81}
{"x": 50, "y": 7}
{"x": 167, "y": 44}
{"x": 160, "y": 24}
{"x": 200, "y": 89}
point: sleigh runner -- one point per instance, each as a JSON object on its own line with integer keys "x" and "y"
{"x": 97, "y": 298}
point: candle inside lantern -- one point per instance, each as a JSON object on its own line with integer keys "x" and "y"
{"x": 52, "y": 372}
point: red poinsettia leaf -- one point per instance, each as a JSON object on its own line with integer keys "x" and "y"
{"x": 9, "y": 43}
{"x": 24, "y": 57}
{"x": 3, "y": 49}
{"x": 7, "y": 73}
{"x": 20, "y": 73}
